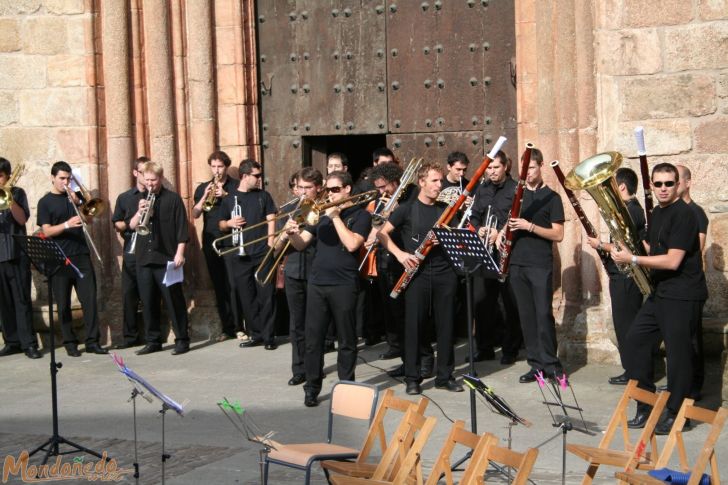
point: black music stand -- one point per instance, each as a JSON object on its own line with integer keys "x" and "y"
{"x": 48, "y": 258}
{"x": 467, "y": 254}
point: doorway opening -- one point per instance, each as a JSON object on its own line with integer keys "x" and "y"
{"x": 357, "y": 148}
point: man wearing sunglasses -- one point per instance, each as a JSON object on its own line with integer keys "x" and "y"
{"x": 333, "y": 283}
{"x": 676, "y": 302}
{"x": 256, "y": 206}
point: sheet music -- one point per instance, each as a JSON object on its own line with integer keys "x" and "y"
{"x": 173, "y": 275}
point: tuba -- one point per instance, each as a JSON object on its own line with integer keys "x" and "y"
{"x": 596, "y": 176}
{"x": 6, "y": 193}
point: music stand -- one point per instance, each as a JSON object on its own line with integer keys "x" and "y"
{"x": 48, "y": 258}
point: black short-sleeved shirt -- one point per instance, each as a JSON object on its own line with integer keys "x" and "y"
{"x": 446, "y": 183}
{"x": 676, "y": 227}
{"x": 169, "y": 228}
{"x": 542, "y": 207}
{"x": 638, "y": 218}
{"x": 9, "y": 227}
{"x": 499, "y": 197}
{"x": 414, "y": 221}
{"x": 255, "y": 205}
{"x": 384, "y": 258}
{"x": 333, "y": 264}
{"x": 56, "y": 209}
{"x": 211, "y": 220}
{"x": 126, "y": 206}
{"x": 701, "y": 216}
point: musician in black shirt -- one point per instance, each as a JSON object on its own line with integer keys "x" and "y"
{"x": 493, "y": 200}
{"x": 166, "y": 242}
{"x": 255, "y": 206}
{"x": 59, "y": 220}
{"x": 126, "y": 206}
{"x": 15, "y": 304}
{"x": 625, "y": 295}
{"x": 334, "y": 282}
{"x": 457, "y": 164}
{"x": 678, "y": 297}
{"x": 541, "y": 223}
{"x": 220, "y": 185}
{"x": 432, "y": 290}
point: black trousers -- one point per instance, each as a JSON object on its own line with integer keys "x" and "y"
{"x": 221, "y": 286}
{"x": 430, "y": 293}
{"x": 393, "y": 308}
{"x": 296, "y": 298}
{"x": 257, "y": 302}
{"x": 489, "y": 318}
{"x": 533, "y": 289}
{"x": 16, "y": 311}
{"x": 696, "y": 338}
{"x": 66, "y": 279}
{"x": 324, "y": 303}
{"x": 151, "y": 288}
{"x": 626, "y": 303}
{"x": 670, "y": 321}
{"x": 130, "y": 298}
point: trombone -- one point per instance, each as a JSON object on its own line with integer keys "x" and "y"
{"x": 6, "y": 194}
{"x": 308, "y": 212}
{"x": 90, "y": 207}
{"x": 264, "y": 266}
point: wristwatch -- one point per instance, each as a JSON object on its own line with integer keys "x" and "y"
{"x": 634, "y": 260}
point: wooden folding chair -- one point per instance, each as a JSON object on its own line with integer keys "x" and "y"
{"x": 411, "y": 467}
{"x": 632, "y": 456}
{"x": 458, "y": 436}
{"x": 348, "y": 399}
{"x": 488, "y": 451}
{"x": 361, "y": 467}
{"x": 716, "y": 419}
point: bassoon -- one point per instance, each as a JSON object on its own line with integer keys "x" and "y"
{"x": 588, "y": 226}
{"x": 505, "y": 249}
{"x": 639, "y": 134}
{"x": 452, "y": 209}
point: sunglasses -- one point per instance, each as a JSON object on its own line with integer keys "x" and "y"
{"x": 669, "y": 183}
{"x": 334, "y": 190}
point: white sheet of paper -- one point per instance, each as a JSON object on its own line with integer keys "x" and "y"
{"x": 173, "y": 275}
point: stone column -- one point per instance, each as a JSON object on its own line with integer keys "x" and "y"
{"x": 160, "y": 84}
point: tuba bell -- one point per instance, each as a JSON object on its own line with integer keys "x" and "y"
{"x": 596, "y": 176}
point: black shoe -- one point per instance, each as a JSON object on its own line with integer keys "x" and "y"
{"x": 508, "y": 359}
{"x": 640, "y": 418}
{"x": 271, "y": 346}
{"x": 251, "y": 343}
{"x": 329, "y": 347}
{"x": 72, "y": 350}
{"x": 32, "y": 352}
{"x": 481, "y": 355}
{"x": 149, "y": 349}
{"x": 529, "y": 376}
{"x": 390, "y": 354}
{"x": 123, "y": 346}
{"x": 661, "y": 388}
{"x": 620, "y": 380}
{"x": 296, "y": 380}
{"x": 311, "y": 399}
{"x": 451, "y": 385}
{"x": 695, "y": 395}
{"x": 397, "y": 371}
{"x": 665, "y": 425}
{"x": 413, "y": 388}
{"x": 10, "y": 350}
{"x": 370, "y": 341}
{"x": 180, "y": 349}
{"x": 426, "y": 372}
{"x": 96, "y": 349}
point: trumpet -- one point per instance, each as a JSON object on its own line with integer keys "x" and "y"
{"x": 143, "y": 228}
{"x": 237, "y": 234}
{"x": 308, "y": 212}
{"x": 266, "y": 269}
{"x": 6, "y": 194}
{"x": 211, "y": 198}
{"x": 83, "y": 214}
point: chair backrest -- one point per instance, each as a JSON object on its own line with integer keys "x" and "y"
{"x": 489, "y": 451}
{"x": 414, "y": 426}
{"x": 352, "y": 400}
{"x": 411, "y": 463}
{"x": 716, "y": 420}
{"x": 458, "y": 436}
{"x": 619, "y": 419}
{"x": 377, "y": 434}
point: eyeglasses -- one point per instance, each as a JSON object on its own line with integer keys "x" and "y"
{"x": 669, "y": 183}
{"x": 334, "y": 190}
{"x": 256, "y": 175}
